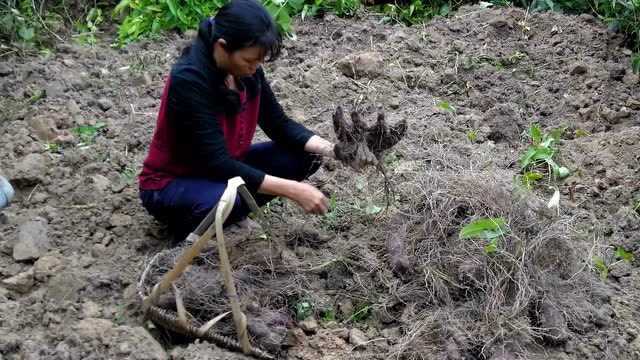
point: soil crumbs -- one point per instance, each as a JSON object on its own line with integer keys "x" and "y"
{"x": 365, "y": 281}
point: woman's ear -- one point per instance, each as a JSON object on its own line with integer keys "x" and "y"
{"x": 222, "y": 43}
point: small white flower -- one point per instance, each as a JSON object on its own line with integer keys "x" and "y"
{"x": 555, "y": 200}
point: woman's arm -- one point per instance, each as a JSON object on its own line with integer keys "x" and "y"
{"x": 319, "y": 145}
{"x": 307, "y": 196}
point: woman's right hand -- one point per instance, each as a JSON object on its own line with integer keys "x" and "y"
{"x": 309, "y": 198}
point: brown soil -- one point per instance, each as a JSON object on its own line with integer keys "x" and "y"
{"x": 381, "y": 283}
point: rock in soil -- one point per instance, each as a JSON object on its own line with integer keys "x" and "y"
{"x": 112, "y": 341}
{"x": 33, "y": 240}
{"x": 295, "y": 337}
{"x": 20, "y": 283}
{"x": 47, "y": 266}
{"x": 309, "y": 325}
{"x": 5, "y": 70}
{"x": 553, "y": 323}
{"x": 357, "y": 337}
{"x": 30, "y": 170}
{"x": 578, "y": 69}
{"x": 368, "y": 64}
{"x": 104, "y": 104}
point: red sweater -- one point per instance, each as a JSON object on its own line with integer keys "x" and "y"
{"x": 165, "y": 159}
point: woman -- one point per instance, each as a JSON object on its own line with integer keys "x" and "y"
{"x": 215, "y": 97}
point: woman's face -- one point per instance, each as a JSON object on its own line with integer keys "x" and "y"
{"x": 242, "y": 62}
{"x": 245, "y": 62}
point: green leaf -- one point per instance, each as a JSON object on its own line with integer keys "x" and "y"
{"x": 623, "y": 254}
{"x": 120, "y": 8}
{"x": 87, "y": 133}
{"x": 333, "y": 203}
{"x": 530, "y": 178}
{"x": 487, "y": 228}
{"x": 602, "y": 268}
{"x": 284, "y": 21}
{"x": 536, "y": 154}
{"x": 444, "y": 105}
{"x": 635, "y": 63}
{"x": 328, "y": 315}
{"x": 361, "y": 313}
{"x": 563, "y": 172}
{"x": 444, "y": 10}
{"x": 296, "y": 5}
{"x": 173, "y": 7}
{"x": 7, "y": 24}
{"x": 491, "y": 247}
{"x": 556, "y": 134}
{"x": 535, "y": 133}
{"x": 372, "y": 209}
{"x": 26, "y": 33}
{"x": 303, "y": 310}
{"x": 581, "y": 133}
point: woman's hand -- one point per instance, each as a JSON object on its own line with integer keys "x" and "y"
{"x": 307, "y": 196}
{"x": 310, "y": 199}
{"x": 355, "y": 155}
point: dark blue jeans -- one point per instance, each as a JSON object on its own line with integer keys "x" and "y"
{"x": 184, "y": 202}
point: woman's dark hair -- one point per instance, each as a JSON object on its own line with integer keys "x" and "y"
{"x": 246, "y": 23}
{"x": 242, "y": 24}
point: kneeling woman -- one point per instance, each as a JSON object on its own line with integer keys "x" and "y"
{"x": 215, "y": 97}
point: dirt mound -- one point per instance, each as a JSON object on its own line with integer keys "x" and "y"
{"x": 76, "y": 124}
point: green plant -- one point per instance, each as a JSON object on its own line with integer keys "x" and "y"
{"x": 581, "y": 133}
{"x": 88, "y": 133}
{"x": 328, "y": 315}
{"x": 269, "y": 207}
{"x": 303, "y": 309}
{"x": 29, "y": 25}
{"x": 128, "y": 175}
{"x": 601, "y": 267}
{"x": 490, "y": 229}
{"x": 619, "y": 255}
{"x": 445, "y": 106}
{"x": 361, "y": 313}
{"x": 37, "y": 95}
{"x": 120, "y": 315}
{"x": 530, "y": 178}
{"x": 372, "y": 209}
{"x": 146, "y": 18}
{"x": 635, "y": 63}
{"x": 541, "y": 151}
{"x": 282, "y": 11}
{"x": 338, "y": 215}
{"x": 18, "y": 23}
{"x": 54, "y": 148}
{"x": 472, "y": 135}
{"x": 89, "y": 27}
{"x": 344, "y": 7}
{"x": 624, "y": 255}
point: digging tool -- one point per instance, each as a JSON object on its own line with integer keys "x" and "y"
{"x": 211, "y": 224}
